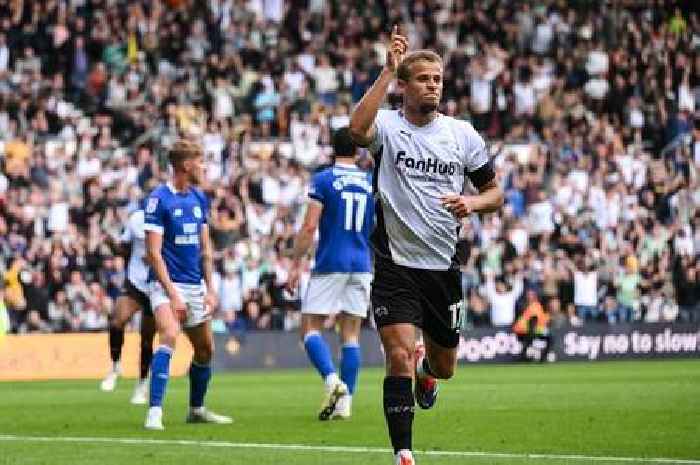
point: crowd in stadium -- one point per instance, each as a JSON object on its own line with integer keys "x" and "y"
{"x": 591, "y": 119}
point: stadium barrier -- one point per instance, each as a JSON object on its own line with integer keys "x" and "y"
{"x": 274, "y": 349}
{"x": 589, "y": 343}
{"x": 74, "y": 356}
{"x": 479, "y": 345}
{"x": 629, "y": 341}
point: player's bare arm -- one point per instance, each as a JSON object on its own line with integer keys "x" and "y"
{"x": 489, "y": 199}
{"x": 212, "y": 298}
{"x": 362, "y": 126}
{"x": 154, "y": 244}
{"x": 303, "y": 240}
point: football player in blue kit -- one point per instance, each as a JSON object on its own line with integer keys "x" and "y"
{"x": 180, "y": 280}
{"x": 342, "y": 208}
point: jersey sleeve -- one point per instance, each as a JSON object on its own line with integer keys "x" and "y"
{"x": 317, "y": 189}
{"x": 154, "y": 219}
{"x": 206, "y": 206}
{"x": 478, "y": 166}
{"x": 136, "y": 225}
{"x": 380, "y": 124}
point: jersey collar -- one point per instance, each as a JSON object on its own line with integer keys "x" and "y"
{"x": 425, "y": 128}
{"x": 173, "y": 189}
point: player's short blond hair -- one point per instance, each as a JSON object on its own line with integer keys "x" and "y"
{"x": 404, "y": 70}
{"x": 182, "y": 150}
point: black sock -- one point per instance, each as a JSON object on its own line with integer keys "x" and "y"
{"x": 398, "y": 410}
{"x": 426, "y": 368}
{"x": 116, "y": 341}
{"x": 146, "y": 356}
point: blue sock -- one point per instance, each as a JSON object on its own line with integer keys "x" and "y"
{"x": 160, "y": 371}
{"x": 350, "y": 361}
{"x": 199, "y": 382}
{"x": 319, "y": 353}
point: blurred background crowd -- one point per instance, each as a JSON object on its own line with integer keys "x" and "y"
{"x": 589, "y": 108}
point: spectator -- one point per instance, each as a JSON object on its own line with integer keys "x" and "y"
{"x": 502, "y": 297}
{"x": 591, "y": 125}
{"x": 688, "y": 294}
{"x": 532, "y": 328}
{"x": 586, "y": 291}
{"x": 627, "y": 292}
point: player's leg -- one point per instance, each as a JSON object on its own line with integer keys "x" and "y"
{"x": 354, "y": 302}
{"x": 202, "y": 341}
{"x": 198, "y": 330}
{"x": 440, "y": 362}
{"x": 399, "y": 341}
{"x": 147, "y": 333}
{"x": 317, "y": 349}
{"x": 168, "y": 329}
{"x": 396, "y": 305}
{"x": 319, "y": 302}
{"x": 124, "y": 309}
{"x": 442, "y": 295}
{"x": 350, "y": 361}
{"x": 433, "y": 362}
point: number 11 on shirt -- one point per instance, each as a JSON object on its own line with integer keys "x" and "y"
{"x": 350, "y": 199}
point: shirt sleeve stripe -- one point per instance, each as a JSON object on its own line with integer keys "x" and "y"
{"x": 316, "y": 196}
{"x": 153, "y": 227}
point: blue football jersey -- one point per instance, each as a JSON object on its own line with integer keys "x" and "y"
{"x": 179, "y": 217}
{"x": 346, "y": 221}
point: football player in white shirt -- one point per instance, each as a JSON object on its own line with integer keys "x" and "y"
{"x": 422, "y": 161}
{"x": 133, "y": 299}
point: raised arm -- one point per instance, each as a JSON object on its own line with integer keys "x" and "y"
{"x": 362, "y": 127}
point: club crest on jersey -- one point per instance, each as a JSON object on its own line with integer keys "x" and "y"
{"x": 151, "y": 205}
{"x": 381, "y": 311}
{"x": 197, "y": 212}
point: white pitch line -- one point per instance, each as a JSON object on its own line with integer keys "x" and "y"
{"x": 348, "y": 449}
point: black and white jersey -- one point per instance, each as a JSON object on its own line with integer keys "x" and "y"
{"x": 134, "y": 233}
{"x": 415, "y": 167}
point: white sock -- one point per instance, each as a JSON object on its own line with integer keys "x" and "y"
{"x": 155, "y": 409}
{"x": 116, "y": 367}
{"x": 332, "y": 379}
{"x": 197, "y": 410}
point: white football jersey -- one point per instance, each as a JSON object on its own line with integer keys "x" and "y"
{"x": 416, "y": 166}
{"x": 137, "y": 269}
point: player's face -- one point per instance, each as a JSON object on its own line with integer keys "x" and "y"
{"x": 423, "y": 91}
{"x": 196, "y": 170}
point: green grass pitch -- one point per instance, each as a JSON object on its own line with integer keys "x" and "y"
{"x": 569, "y": 413}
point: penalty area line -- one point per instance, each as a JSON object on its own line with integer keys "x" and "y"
{"x": 346, "y": 449}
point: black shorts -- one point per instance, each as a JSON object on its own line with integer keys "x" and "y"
{"x": 428, "y": 299}
{"x": 130, "y": 290}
